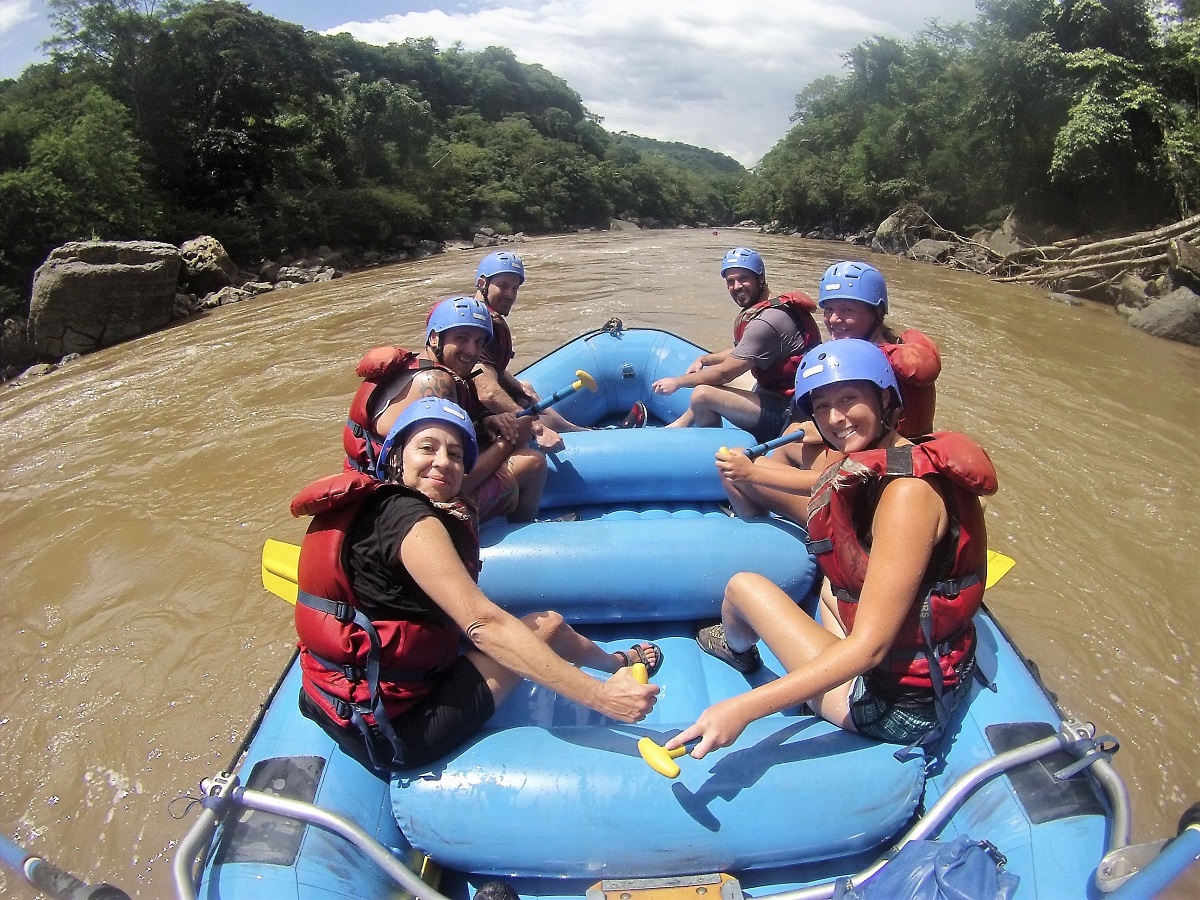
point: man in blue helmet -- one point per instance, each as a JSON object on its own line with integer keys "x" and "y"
{"x": 770, "y": 336}
{"x": 498, "y": 278}
{"x": 509, "y": 475}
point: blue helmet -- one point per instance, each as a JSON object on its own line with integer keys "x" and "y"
{"x": 848, "y": 359}
{"x": 427, "y": 411}
{"x": 498, "y": 263}
{"x": 458, "y": 312}
{"x": 743, "y": 258}
{"x": 853, "y": 281}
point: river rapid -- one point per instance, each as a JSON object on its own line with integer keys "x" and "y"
{"x": 139, "y": 483}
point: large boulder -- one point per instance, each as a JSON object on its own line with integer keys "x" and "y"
{"x": 208, "y": 267}
{"x": 1175, "y": 316}
{"x": 1184, "y": 259}
{"x": 89, "y": 295}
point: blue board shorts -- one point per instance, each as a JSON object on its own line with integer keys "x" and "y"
{"x": 900, "y": 723}
{"x": 775, "y": 415}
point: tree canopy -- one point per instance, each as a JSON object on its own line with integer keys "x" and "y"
{"x": 1084, "y": 112}
{"x": 171, "y": 118}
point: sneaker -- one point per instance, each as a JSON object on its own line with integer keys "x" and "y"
{"x": 712, "y": 642}
{"x": 636, "y": 417}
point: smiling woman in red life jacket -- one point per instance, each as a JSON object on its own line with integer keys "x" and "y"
{"x": 898, "y": 530}
{"x": 388, "y": 595}
{"x": 854, "y": 300}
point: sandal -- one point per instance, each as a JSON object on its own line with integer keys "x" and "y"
{"x": 712, "y": 642}
{"x": 637, "y": 650}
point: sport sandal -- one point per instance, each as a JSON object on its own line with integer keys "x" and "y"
{"x": 637, "y": 416}
{"x": 712, "y": 641}
{"x": 638, "y": 651}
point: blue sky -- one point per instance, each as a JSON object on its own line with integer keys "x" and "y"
{"x": 721, "y": 74}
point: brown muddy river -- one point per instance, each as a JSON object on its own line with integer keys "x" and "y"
{"x": 139, "y": 483}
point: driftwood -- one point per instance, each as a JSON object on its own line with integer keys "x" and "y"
{"x": 1106, "y": 259}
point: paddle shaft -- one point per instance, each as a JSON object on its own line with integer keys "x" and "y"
{"x": 768, "y": 446}
{"x": 50, "y": 879}
{"x": 583, "y": 379}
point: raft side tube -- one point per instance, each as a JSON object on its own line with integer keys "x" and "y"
{"x": 640, "y": 567}
{"x": 671, "y": 464}
{"x": 625, "y": 365}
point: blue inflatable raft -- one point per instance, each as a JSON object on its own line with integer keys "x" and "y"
{"x": 554, "y": 800}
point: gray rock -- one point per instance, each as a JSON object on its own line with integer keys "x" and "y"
{"x": 294, "y": 274}
{"x": 1005, "y": 240}
{"x": 185, "y": 305}
{"x": 36, "y": 371}
{"x": 891, "y": 236}
{"x": 1130, "y": 291}
{"x": 1175, "y": 316}
{"x": 89, "y": 295}
{"x": 1066, "y": 299}
{"x": 622, "y": 225}
{"x": 227, "y": 295}
{"x": 927, "y": 250}
{"x": 16, "y": 350}
{"x": 1184, "y": 259}
{"x": 207, "y": 267}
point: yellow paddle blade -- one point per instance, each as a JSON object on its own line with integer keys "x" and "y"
{"x": 997, "y": 567}
{"x": 585, "y": 380}
{"x": 279, "y": 564}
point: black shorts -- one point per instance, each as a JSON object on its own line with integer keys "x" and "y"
{"x": 457, "y": 707}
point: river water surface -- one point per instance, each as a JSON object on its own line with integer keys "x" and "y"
{"x": 139, "y": 483}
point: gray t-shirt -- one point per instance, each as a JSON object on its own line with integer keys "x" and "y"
{"x": 770, "y": 336}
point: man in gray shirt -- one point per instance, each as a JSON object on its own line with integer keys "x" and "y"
{"x": 770, "y": 335}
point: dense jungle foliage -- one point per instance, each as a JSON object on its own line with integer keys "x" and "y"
{"x": 1084, "y": 113}
{"x": 170, "y": 119}
{"x": 174, "y": 118}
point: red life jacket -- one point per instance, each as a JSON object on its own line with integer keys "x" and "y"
{"x": 940, "y": 620}
{"x": 917, "y": 364}
{"x": 780, "y": 376}
{"x": 359, "y": 439}
{"x": 499, "y": 351}
{"x": 359, "y": 671}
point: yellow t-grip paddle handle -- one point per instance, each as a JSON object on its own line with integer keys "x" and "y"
{"x": 660, "y": 759}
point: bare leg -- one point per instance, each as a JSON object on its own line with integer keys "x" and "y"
{"x": 528, "y": 467}
{"x": 755, "y": 608}
{"x": 712, "y": 403}
{"x": 552, "y": 419}
{"x": 684, "y": 421}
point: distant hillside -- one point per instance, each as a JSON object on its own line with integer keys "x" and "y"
{"x": 696, "y": 159}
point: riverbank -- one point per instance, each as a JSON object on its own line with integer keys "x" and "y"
{"x": 1151, "y": 278}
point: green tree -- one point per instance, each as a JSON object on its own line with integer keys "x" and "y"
{"x": 71, "y": 170}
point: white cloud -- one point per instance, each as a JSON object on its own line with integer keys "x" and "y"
{"x": 714, "y": 73}
{"x": 14, "y": 13}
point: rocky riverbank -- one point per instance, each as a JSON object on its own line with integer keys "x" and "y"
{"x": 1151, "y": 278}
{"x": 93, "y": 294}
{"x": 90, "y": 295}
